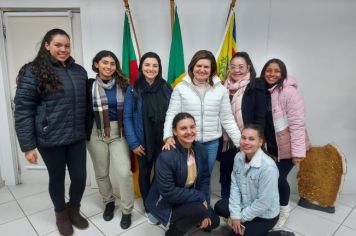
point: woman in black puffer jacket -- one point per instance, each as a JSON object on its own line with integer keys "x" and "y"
{"x": 50, "y": 110}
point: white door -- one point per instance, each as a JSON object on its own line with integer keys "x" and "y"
{"x": 24, "y": 32}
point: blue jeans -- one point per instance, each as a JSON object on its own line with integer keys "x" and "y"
{"x": 212, "y": 148}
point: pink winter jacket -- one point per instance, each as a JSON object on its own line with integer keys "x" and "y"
{"x": 289, "y": 120}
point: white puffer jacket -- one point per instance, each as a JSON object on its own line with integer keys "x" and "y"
{"x": 210, "y": 112}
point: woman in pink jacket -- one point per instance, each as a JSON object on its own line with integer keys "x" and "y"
{"x": 285, "y": 129}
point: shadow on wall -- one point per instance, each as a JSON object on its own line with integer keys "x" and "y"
{"x": 2, "y": 183}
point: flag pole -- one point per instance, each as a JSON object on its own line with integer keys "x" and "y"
{"x": 232, "y": 5}
{"x": 172, "y": 14}
{"x": 127, "y": 6}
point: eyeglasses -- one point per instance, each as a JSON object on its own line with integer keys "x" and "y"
{"x": 239, "y": 67}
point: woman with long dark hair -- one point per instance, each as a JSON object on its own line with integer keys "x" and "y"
{"x": 50, "y": 110}
{"x": 146, "y": 103}
{"x": 179, "y": 196}
{"x": 107, "y": 143}
{"x": 285, "y": 129}
{"x": 248, "y": 104}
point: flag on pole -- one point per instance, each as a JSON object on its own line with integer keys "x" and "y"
{"x": 129, "y": 51}
{"x": 130, "y": 69}
{"x": 227, "y": 47}
{"x": 176, "y": 67}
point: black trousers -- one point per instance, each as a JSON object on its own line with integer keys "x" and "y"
{"x": 284, "y": 167}
{"x": 72, "y": 156}
{"x": 191, "y": 214}
{"x": 226, "y": 166}
{"x": 145, "y": 165}
{"x": 256, "y": 227}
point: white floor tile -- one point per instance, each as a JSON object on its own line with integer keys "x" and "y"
{"x": 213, "y": 199}
{"x": 10, "y": 211}
{"x": 24, "y": 190}
{"x": 138, "y": 206}
{"x": 215, "y": 176}
{"x": 144, "y": 229}
{"x": 351, "y": 220}
{"x": 88, "y": 191}
{"x": 348, "y": 200}
{"x": 92, "y": 205}
{"x": 5, "y": 195}
{"x": 36, "y": 203}
{"x": 309, "y": 224}
{"x": 17, "y": 227}
{"x": 91, "y": 230}
{"x": 44, "y": 222}
{"x": 341, "y": 212}
{"x": 345, "y": 231}
{"x": 112, "y": 228}
{"x": 293, "y": 201}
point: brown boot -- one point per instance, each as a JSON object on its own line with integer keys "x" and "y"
{"x": 77, "y": 220}
{"x": 63, "y": 223}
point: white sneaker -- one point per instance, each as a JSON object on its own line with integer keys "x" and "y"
{"x": 151, "y": 219}
{"x": 283, "y": 216}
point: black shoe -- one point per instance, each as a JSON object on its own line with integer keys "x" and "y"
{"x": 125, "y": 221}
{"x": 280, "y": 233}
{"x": 207, "y": 229}
{"x": 173, "y": 231}
{"x": 109, "y": 211}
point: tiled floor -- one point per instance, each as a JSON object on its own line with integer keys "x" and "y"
{"x": 26, "y": 210}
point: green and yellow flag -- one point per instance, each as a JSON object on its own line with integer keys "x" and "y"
{"x": 176, "y": 68}
{"x": 228, "y": 47}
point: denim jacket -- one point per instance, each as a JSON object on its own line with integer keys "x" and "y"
{"x": 254, "y": 188}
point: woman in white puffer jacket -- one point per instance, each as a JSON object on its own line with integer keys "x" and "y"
{"x": 202, "y": 95}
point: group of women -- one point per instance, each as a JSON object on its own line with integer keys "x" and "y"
{"x": 255, "y": 126}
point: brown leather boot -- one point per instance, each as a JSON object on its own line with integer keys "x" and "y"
{"x": 63, "y": 223}
{"x": 77, "y": 220}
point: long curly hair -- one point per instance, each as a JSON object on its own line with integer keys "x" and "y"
{"x": 41, "y": 67}
{"x": 119, "y": 76}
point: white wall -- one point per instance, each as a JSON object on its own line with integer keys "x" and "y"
{"x": 316, "y": 39}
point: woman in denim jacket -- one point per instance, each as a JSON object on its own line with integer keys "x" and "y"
{"x": 254, "y": 200}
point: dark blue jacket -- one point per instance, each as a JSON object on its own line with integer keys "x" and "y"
{"x": 169, "y": 187}
{"x": 47, "y": 120}
{"x": 133, "y": 118}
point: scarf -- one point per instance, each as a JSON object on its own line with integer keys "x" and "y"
{"x": 101, "y": 107}
{"x": 236, "y": 90}
{"x": 154, "y": 107}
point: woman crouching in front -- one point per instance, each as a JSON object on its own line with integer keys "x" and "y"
{"x": 254, "y": 200}
{"x": 179, "y": 195}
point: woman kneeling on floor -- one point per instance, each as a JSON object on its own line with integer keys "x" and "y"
{"x": 179, "y": 195}
{"x": 254, "y": 200}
